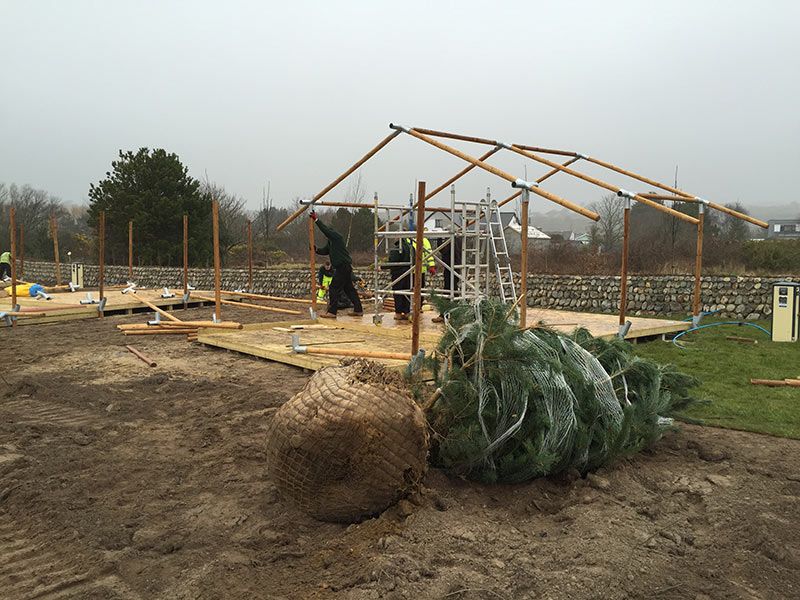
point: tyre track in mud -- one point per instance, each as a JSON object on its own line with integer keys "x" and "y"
{"x": 38, "y": 563}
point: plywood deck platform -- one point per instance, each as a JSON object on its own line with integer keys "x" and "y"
{"x": 273, "y": 342}
{"x": 66, "y": 306}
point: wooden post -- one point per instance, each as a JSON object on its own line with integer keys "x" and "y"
{"x": 312, "y": 261}
{"x": 698, "y": 264}
{"x": 523, "y": 292}
{"x": 623, "y": 274}
{"x": 130, "y": 250}
{"x": 12, "y": 230}
{"x": 101, "y": 239}
{"x": 185, "y": 254}
{"x": 250, "y": 255}
{"x": 419, "y": 250}
{"x": 217, "y": 295}
{"x": 22, "y": 250}
{"x": 54, "y": 233}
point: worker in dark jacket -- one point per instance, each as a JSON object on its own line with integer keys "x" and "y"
{"x": 342, "y": 271}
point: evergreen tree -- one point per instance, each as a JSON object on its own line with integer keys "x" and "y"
{"x": 154, "y": 189}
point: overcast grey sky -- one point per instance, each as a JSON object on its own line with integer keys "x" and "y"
{"x": 294, "y": 92}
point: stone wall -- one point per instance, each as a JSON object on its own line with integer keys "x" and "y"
{"x": 734, "y": 297}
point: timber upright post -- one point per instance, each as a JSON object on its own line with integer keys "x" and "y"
{"x": 375, "y": 249}
{"x": 250, "y": 255}
{"x": 698, "y": 264}
{"x": 130, "y": 250}
{"x": 54, "y": 233}
{"x": 523, "y": 284}
{"x": 22, "y": 250}
{"x": 217, "y": 293}
{"x": 623, "y": 272}
{"x": 101, "y": 239}
{"x": 12, "y": 230}
{"x": 185, "y": 260}
{"x": 417, "y": 308}
{"x": 312, "y": 263}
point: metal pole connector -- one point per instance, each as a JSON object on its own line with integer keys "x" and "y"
{"x": 525, "y": 185}
{"x": 296, "y": 347}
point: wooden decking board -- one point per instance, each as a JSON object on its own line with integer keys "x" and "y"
{"x": 267, "y": 343}
{"x": 66, "y": 306}
{"x": 261, "y": 339}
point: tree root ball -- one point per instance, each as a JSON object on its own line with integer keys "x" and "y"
{"x": 350, "y": 444}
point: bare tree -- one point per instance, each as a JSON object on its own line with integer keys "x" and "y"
{"x": 732, "y": 229}
{"x": 232, "y": 217}
{"x": 355, "y": 193}
{"x": 607, "y": 233}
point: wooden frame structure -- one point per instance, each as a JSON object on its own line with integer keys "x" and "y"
{"x": 420, "y": 206}
{"x": 655, "y": 201}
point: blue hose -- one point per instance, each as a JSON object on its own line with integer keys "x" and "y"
{"x": 740, "y": 323}
{"x": 705, "y": 314}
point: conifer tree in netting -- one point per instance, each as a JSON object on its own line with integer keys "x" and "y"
{"x": 519, "y": 404}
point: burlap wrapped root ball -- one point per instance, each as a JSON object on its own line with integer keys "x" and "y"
{"x": 350, "y": 444}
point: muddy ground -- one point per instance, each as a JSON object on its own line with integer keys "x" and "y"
{"x": 122, "y": 481}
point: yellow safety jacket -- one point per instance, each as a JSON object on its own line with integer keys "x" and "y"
{"x": 427, "y": 252}
{"x": 323, "y": 290}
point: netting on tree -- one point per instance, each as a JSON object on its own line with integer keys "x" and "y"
{"x": 349, "y": 444}
{"x": 518, "y": 404}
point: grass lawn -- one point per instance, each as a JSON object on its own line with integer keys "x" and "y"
{"x": 725, "y": 367}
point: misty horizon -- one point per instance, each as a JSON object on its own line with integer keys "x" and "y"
{"x": 289, "y": 96}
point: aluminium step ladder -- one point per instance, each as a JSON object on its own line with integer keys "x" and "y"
{"x": 502, "y": 262}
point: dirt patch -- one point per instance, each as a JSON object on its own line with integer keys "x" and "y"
{"x": 118, "y": 480}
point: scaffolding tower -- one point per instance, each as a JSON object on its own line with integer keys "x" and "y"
{"x": 471, "y": 235}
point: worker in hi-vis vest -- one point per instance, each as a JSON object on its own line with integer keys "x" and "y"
{"x": 324, "y": 278}
{"x": 342, "y": 264}
{"x": 5, "y": 265}
{"x": 428, "y": 262}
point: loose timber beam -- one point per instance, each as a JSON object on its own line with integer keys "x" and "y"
{"x": 339, "y": 179}
{"x": 157, "y": 309}
{"x": 246, "y": 305}
{"x": 356, "y": 353}
{"x": 145, "y": 359}
{"x": 516, "y": 182}
{"x": 266, "y": 297}
{"x": 416, "y": 310}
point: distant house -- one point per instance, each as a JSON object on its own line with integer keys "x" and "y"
{"x": 511, "y": 228}
{"x": 781, "y": 229}
{"x": 568, "y": 237}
